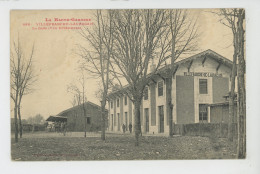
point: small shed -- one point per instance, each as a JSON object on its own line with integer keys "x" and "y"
{"x": 219, "y": 112}
{"x": 76, "y": 119}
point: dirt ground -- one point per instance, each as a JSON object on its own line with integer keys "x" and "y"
{"x": 46, "y": 146}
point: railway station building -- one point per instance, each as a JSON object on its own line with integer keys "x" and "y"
{"x": 199, "y": 82}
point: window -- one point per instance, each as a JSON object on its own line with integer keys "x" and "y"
{"x": 111, "y": 104}
{"x": 126, "y": 121}
{"x": 160, "y": 88}
{"x": 161, "y": 117}
{"x": 125, "y": 100}
{"x": 203, "y": 113}
{"x": 203, "y": 86}
{"x": 112, "y": 122}
{"x": 117, "y": 102}
{"x": 146, "y": 93}
{"x": 118, "y": 121}
{"x": 146, "y": 111}
{"x": 88, "y": 120}
{"x": 115, "y": 120}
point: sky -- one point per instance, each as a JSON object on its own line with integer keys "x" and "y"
{"x": 56, "y": 61}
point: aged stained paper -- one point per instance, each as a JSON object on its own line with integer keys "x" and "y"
{"x": 201, "y": 81}
{"x": 195, "y": 166}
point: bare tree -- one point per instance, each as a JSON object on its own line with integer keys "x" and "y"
{"x": 183, "y": 34}
{"x": 241, "y": 85}
{"x": 22, "y": 79}
{"x": 37, "y": 119}
{"x": 97, "y": 55}
{"x": 79, "y": 96}
{"x": 140, "y": 36}
{"x": 229, "y": 19}
{"x": 234, "y": 19}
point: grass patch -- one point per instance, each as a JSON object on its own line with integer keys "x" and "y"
{"x": 48, "y": 147}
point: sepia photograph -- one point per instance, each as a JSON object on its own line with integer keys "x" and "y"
{"x": 128, "y": 84}
{"x": 129, "y": 87}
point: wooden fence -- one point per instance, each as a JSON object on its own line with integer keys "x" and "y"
{"x": 204, "y": 129}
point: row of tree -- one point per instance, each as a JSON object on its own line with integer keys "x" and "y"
{"x": 37, "y": 119}
{"x": 122, "y": 45}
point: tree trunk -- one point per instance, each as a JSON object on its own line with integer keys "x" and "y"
{"x": 15, "y": 122}
{"x": 85, "y": 121}
{"x": 242, "y": 110}
{"x": 169, "y": 103}
{"x": 232, "y": 96}
{"x": 137, "y": 104}
{"x": 241, "y": 88}
{"x": 85, "y": 126}
{"x": 231, "y": 116}
{"x": 103, "y": 120}
{"x": 241, "y": 121}
{"x": 20, "y": 122}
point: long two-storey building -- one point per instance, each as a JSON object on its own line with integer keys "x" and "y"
{"x": 199, "y": 81}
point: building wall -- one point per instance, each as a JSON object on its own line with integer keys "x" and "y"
{"x": 174, "y": 99}
{"x": 146, "y": 104}
{"x": 185, "y": 99}
{"x": 130, "y": 110}
{"x": 112, "y": 114}
{"x": 76, "y": 119}
{"x": 121, "y": 106}
{"x": 185, "y": 95}
{"x": 220, "y": 87}
{"x": 215, "y": 93}
{"x": 153, "y": 106}
{"x": 117, "y": 115}
{"x": 201, "y": 98}
{"x": 133, "y": 111}
{"x": 160, "y": 101}
{"x": 125, "y": 110}
{"x": 220, "y": 113}
{"x": 142, "y": 116}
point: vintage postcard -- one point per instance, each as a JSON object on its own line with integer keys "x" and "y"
{"x": 128, "y": 84}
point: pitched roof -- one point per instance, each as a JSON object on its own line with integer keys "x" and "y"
{"x": 210, "y": 53}
{"x": 56, "y": 118}
{"x": 75, "y": 107}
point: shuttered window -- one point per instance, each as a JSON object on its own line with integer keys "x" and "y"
{"x": 160, "y": 88}
{"x": 115, "y": 120}
{"x": 88, "y": 120}
{"x": 203, "y": 86}
{"x": 146, "y": 93}
{"x": 125, "y": 100}
{"x": 112, "y": 117}
{"x": 203, "y": 113}
{"x": 117, "y": 102}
